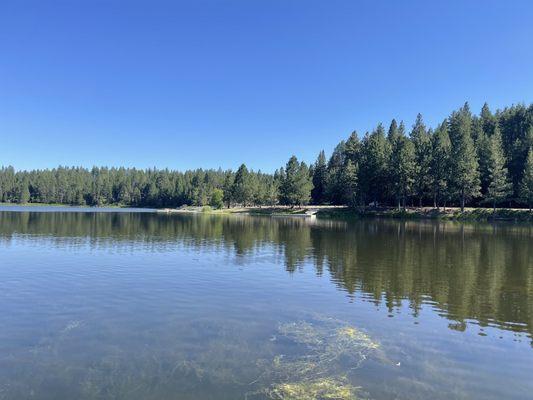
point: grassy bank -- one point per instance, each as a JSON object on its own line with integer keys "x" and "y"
{"x": 469, "y": 214}
{"x": 337, "y": 212}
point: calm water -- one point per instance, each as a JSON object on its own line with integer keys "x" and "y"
{"x": 131, "y": 305}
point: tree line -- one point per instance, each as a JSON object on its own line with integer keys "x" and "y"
{"x": 468, "y": 159}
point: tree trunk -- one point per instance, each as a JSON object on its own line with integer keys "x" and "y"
{"x": 462, "y": 200}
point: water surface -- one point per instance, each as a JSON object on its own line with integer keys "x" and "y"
{"x": 129, "y": 305}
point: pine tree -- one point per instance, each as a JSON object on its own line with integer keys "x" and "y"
{"x": 499, "y": 187}
{"x": 349, "y": 183}
{"x": 296, "y": 183}
{"x": 422, "y": 148}
{"x": 526, "y": 185}
{"x": 401, "y": 163}
{"x": 483, "y": 146}
{"x": 464, "y": 163}
{"x": 334, "y": 190}
{"x": 488, "y": 120}
{"x": 320, "y": 176}
{"x": 227, "y": 188}
{"x": 373, "y": 171}
{"x": 23, "y": 192}
{"x": 352, "y": 148}
{"x": 440, "y": 164}
{"x": 242, "y": 188}
{"x": 393, "y": 130}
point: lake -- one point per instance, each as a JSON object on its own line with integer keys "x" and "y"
{"x": 139, "y": 305}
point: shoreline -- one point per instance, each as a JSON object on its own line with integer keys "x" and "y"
{"x": 333, "y": 212}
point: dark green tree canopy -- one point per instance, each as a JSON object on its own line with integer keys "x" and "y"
{"x": 296, "y": 184}
{"x": 467, "y": 159}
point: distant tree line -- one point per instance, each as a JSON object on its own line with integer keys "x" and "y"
{"x": 484, "y": 159}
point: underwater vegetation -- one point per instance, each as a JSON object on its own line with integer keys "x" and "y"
{"x": 312, "y": 359}
{"x": 331, "y": 351}
{"x": 325, "y": 388}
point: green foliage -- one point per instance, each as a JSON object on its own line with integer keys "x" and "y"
{"x": 421, "y": 139}
{"x": 458, "y": 163}
{"x": 464, "y": 164}
{"x": 296, "y": 184}
{"x": 334, "y": 190}
{"x": 373, "y": 167}
{"x": 242, "y": 186}
{"x": 217, "y": 199}
{"x": 401, "y": 163}
{"x": 320, "y": 179}
{"x": 320, "y": 373}
{"x": 526, "y": 185}
{"x": 350, "y": 183}
{"x": 440, "y": 164}
{"x": 499, "y": 187}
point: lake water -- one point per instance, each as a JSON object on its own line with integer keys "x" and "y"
{"x": 131, "y": 305}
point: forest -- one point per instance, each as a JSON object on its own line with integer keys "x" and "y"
{"x": 483, "y": 160}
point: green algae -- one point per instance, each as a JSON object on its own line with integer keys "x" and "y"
{"x": 330, "y": 351}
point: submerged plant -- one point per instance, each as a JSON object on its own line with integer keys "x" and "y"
{"x": 319, "y": 389}
{"x": 331, "y": 350}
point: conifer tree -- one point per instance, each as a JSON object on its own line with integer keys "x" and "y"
{"x": 349, "y": 183}
{"x": 440, "y": 164}
{"x": 320, "y": 177}
{"x": 484, "y": 146}
{"x": 464, "y": 163}
{"x": 401, "y": 163}
{"x": 296, "y": 184}
{"x": 526, "y": 185}
{"x": 488, "y": 120}
{"x": 422, "y": 149}
{"x": 334, "y": 190}
{"x": 242, "y": 186}
{"x": 499, "y": 187}
{"x": 227, "y": 188}
{"x": 375, "y": 153}
{"x": 352, "y": 148}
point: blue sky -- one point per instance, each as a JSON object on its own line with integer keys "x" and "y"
{"x": 209, "y": 83}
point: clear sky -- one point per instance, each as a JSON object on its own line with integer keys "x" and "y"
{"x": 209, "y": 83}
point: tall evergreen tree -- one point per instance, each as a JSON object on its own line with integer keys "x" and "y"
{"x": 401, "y": 163}
{"x": 440, "y": 164}
{"x": 227, "y": 188}
{"x": 373, "y": 171}
{"x": 483, "y": 146}
{"x": 526, "y": 185}
{"x": 242, "y": 190}
{"x": 488, "y": 120}
{"x": 334, "y": 189}
{"x": 499, "y": 187}
{"x": 320, "y": 179}
{"x": 422, "y": 149}
{"x": 296, "y": 184}
{"x": 350, "y": 183}
{"x": 464, "y": 163}
{"x": 352, "y": 148}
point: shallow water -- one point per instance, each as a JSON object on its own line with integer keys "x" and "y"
{"x": 129, "y": 305}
